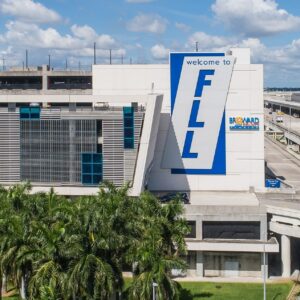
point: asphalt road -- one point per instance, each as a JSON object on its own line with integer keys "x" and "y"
{"x": 282, "y": 163}
{"x": 289, "y": 122}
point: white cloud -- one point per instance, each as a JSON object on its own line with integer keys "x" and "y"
{"x": 29, "y": 11}
{"x": 147, "y": 23}
{"x": 89, "y": 35}
{"x": 208, "y": 42}
{"x": 78, "y": 45}
{"x": 183, "y": 27}
{"x": 160, "y": 52}
{"x": 85, "y": 32}
{"x": 32, "y": 36}
{"x": 254, "y": 17}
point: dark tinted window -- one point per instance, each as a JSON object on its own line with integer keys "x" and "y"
{"x": 231, "y": 230}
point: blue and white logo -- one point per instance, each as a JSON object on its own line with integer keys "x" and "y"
{"x": 196, "y": 137}
{"x": 243, "y": 123}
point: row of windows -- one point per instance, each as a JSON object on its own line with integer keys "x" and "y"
{"x": 227, "y": 230}
{"x": 29, "y": 113}
{"x": 128, "y": 116}
{"x": 92, "y": 168}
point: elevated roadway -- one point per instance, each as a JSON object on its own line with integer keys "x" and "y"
{"x": 284, "y": 165}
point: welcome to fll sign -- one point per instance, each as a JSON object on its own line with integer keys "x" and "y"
{"x": 196, "y": 137}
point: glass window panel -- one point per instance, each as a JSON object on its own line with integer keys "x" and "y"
{"x": 128, "y": 110}
{"x": 128, "y": 132}
{"x": 97, "y": 168}
{"x": 128, "y": 143}
{"x": 24, "y": 110}
{"x": 97, "y": 179}
{"x": 128, "y": 122}
{"x": 87, "y": 179}
{"x": 86, "y": 157}
{"x": 24, "y": 116}
{"x": 86, "y": 168}
{"x": 97, "y": 158}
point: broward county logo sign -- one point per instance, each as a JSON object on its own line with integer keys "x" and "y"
{"x": 196, "y": 137}
{"x": 243, "y": 123}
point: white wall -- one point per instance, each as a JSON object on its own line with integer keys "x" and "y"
{"x": 244, "y": 150}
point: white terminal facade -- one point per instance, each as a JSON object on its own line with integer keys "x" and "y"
{"x": 195, "y": 125}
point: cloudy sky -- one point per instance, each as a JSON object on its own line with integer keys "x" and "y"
{"x": 144, "y": 31}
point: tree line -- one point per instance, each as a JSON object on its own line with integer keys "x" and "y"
{"x": 57, "y": 248}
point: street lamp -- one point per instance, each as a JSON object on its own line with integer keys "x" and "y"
{"x": 154, "y": 285}
{"x": 264, "y": 272}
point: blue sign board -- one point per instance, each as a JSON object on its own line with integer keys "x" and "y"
{"x": 243, "y": 123}
{"x": 273, "y": 183}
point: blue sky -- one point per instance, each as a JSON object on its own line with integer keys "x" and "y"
{"x": 146, "y": 30}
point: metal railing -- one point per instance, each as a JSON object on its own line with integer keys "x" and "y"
{"x": 69, "y": 86}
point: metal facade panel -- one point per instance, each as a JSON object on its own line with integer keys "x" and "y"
{"x": 113, "y": 151}
{"x": 130, "y": 155}
{"x": 9, "y": 147}
{"x": 51, "y": 149}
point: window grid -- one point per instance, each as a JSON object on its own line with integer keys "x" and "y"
{"x": 51, "y": 149}
{"x": 92, "y": 168}
{"x": 128, "y": 117}
{"x": 29, "y": 113}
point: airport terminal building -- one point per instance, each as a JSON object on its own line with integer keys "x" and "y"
{"x": 195, "y": 125}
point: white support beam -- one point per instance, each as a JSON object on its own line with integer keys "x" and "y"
{"x": 286, "y": 255}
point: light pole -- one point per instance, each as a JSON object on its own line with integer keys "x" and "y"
{"x": 154, "y": 285}
{"x": 49, "y": 61}
{"x": 264, "y": 273}
{"x": 290, "y": 113}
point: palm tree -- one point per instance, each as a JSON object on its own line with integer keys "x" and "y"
{"x": 96, "y": 271}
{"x": 51, "y": 245}
{"x": 159, "y": 248}
{"x": 16, "y": 232}
{"x": 35, "y": 225}
{"x": 60, "y": 249}
{"x": 3, "y": 233}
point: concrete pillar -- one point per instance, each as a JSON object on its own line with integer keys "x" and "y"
{"x": 199, "y": 264}
{"x": 286, "y": 255}
{"x": 199, "y": 233}
{"x": 45, "y": 78}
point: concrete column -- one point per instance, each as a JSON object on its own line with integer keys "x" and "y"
{"x": 199, "y": 264}
{"x": 199, "y": 234}
{"x": 45, "y": 78}
{"x": 286, "y": 256}
{"x": 264, "y": 228}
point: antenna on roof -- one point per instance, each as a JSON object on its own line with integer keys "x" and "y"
{"x": 66, "y": 64}
{"x": 3, "y": 64}
{"x": 49, "y": 61}
{"x": 197, "y": 47}
{"x": 110, "y": 56}
{"x": 95, "y": 55}
{"x": 26, "y": 58}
